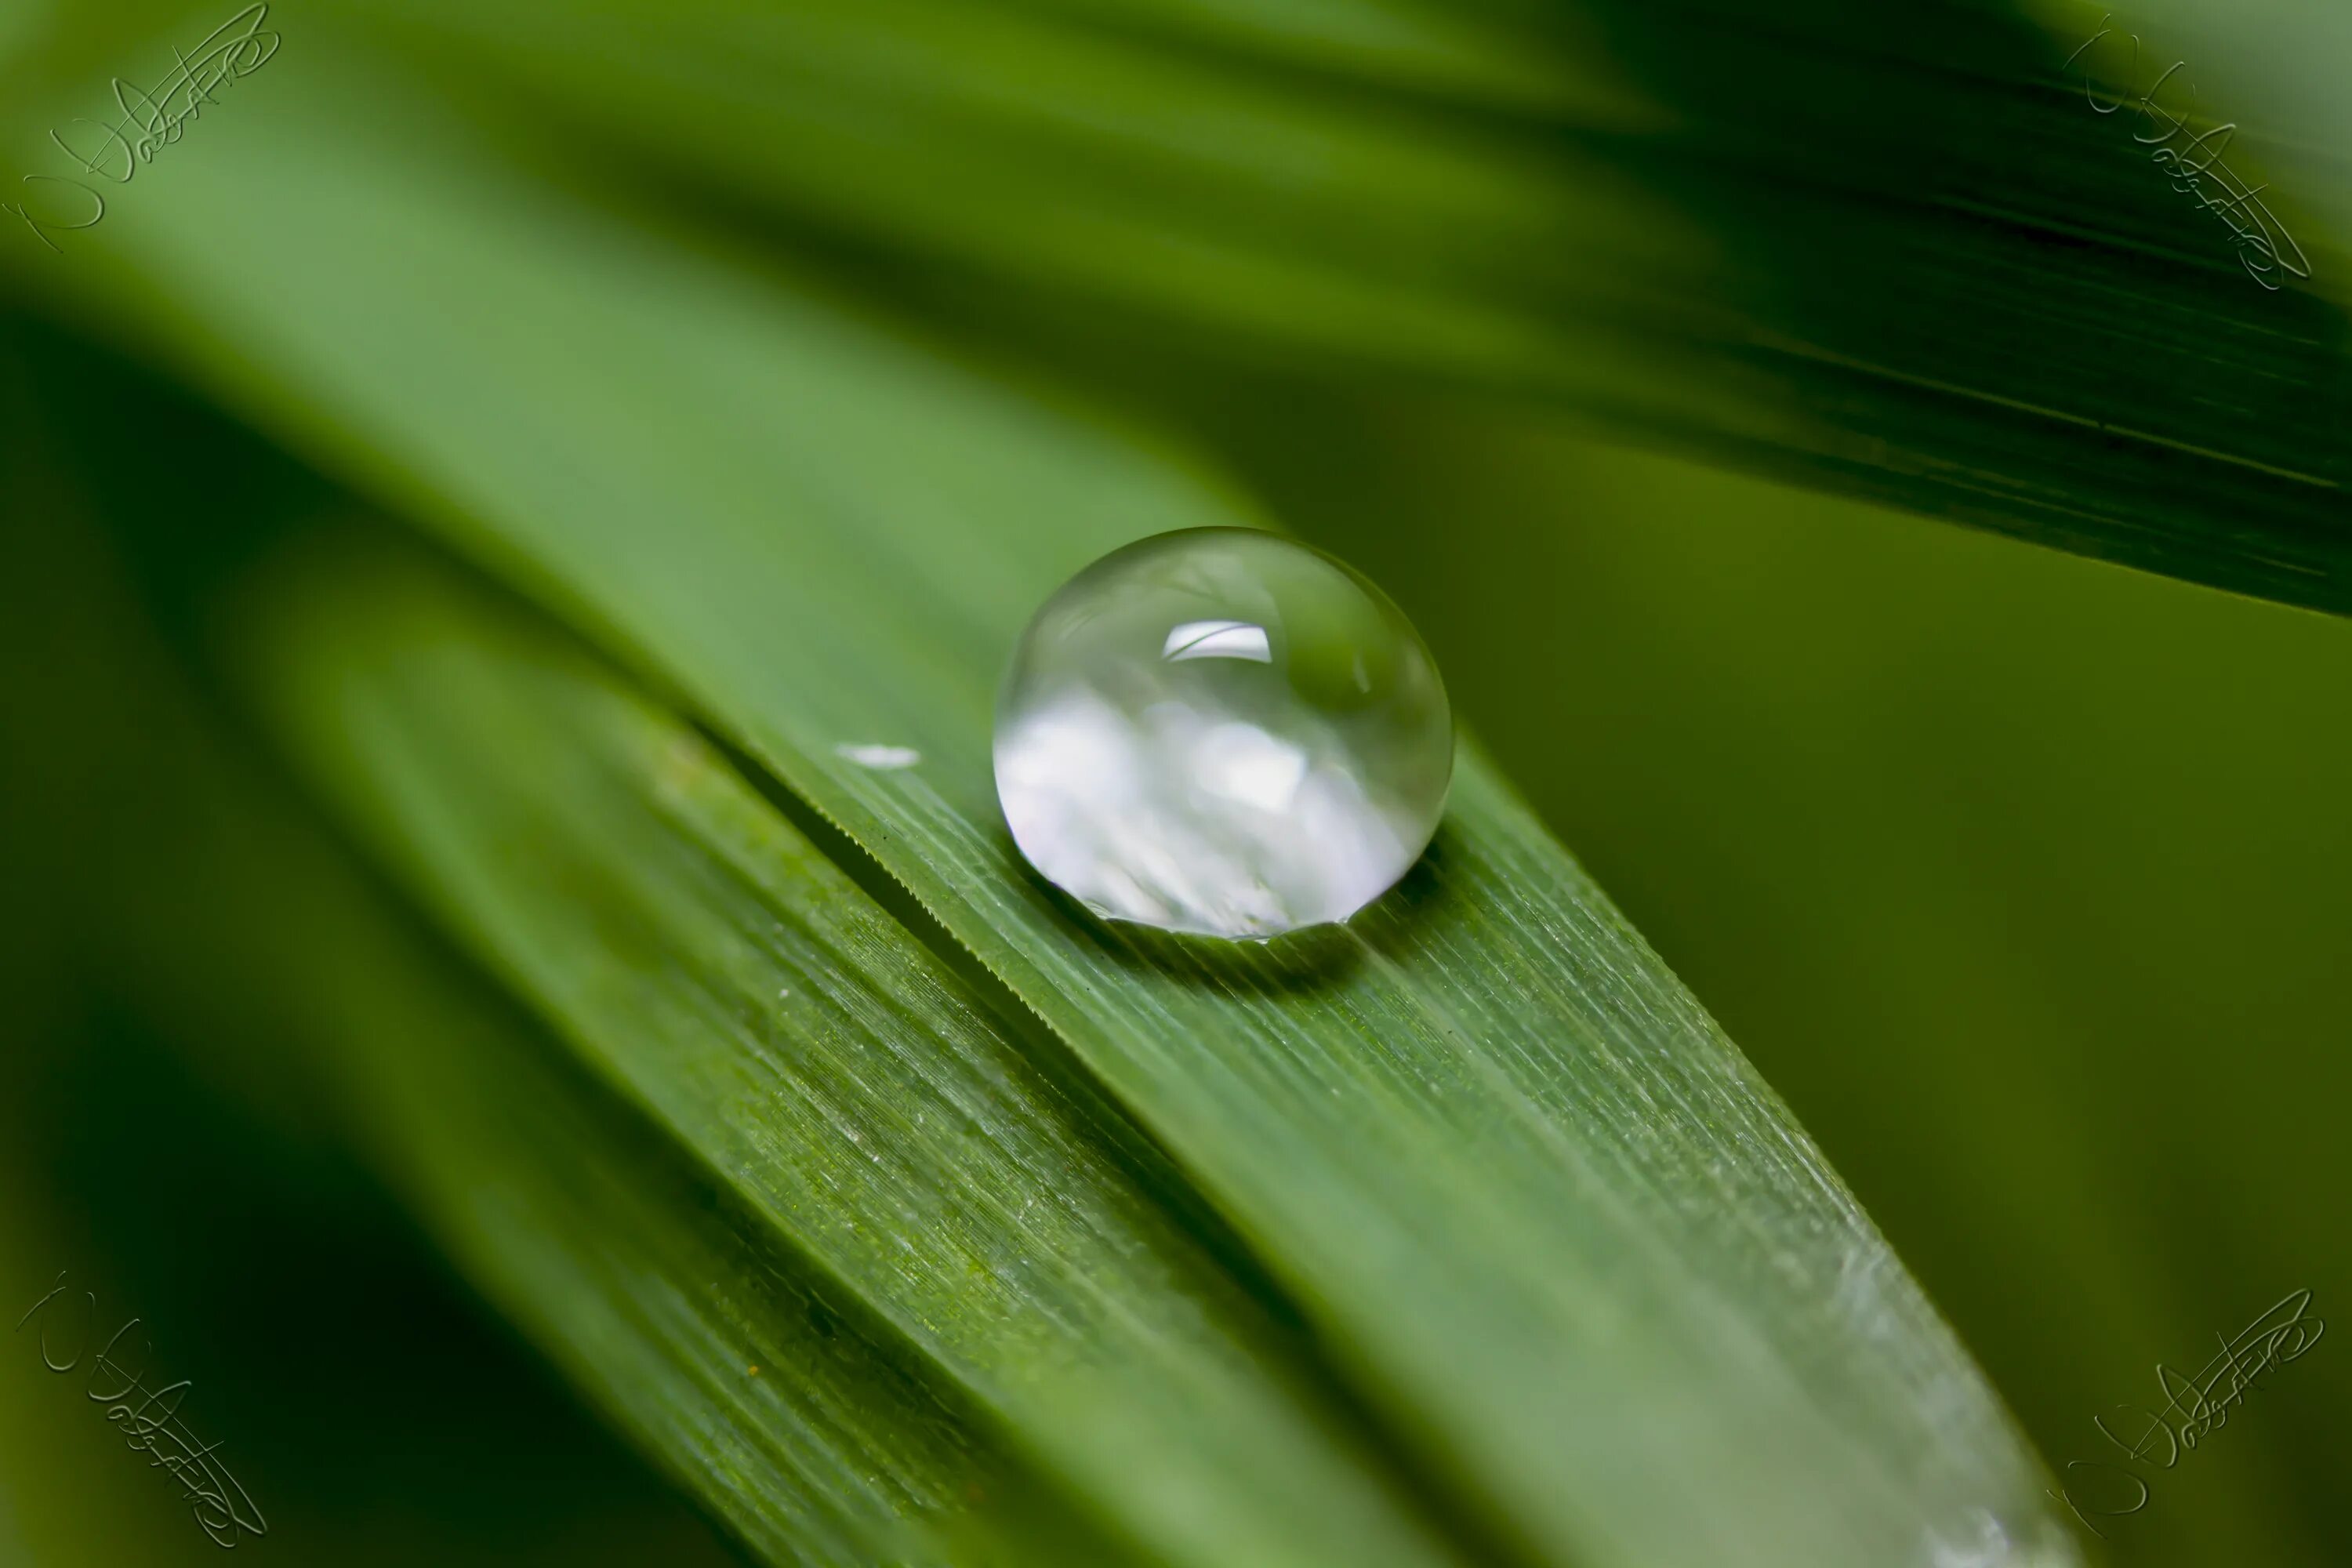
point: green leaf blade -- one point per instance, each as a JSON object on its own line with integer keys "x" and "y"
{"x": 1526, "y": 1191}
{"x": 854, "y": 1096}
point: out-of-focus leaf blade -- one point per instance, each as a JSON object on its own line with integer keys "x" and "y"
{"x": 587, "y": 1228}
{"x": 213, "y": 901}
{"x": 1893, "y": 252}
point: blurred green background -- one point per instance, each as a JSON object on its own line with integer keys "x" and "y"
{"x": 2026, "y": 879}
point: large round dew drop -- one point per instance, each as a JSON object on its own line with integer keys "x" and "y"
{"x": 1222, "y": 733}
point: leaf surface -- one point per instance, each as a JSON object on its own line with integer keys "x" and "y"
{"x": 1538, "y": 1209}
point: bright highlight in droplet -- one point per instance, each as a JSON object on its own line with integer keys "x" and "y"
{"x": 1222, "y": 733}
{"x": 1218, "y": 640}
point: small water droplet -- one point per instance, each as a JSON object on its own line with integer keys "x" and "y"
{"x": 1223, "y": 733}
{"x": 885, "y": 759}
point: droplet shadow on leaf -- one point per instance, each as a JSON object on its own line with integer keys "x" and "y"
{"x": 1307, "y": 962}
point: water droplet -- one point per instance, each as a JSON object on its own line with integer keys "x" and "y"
{"x": 885, "y": 759}
{"x": 1223, "y": 733}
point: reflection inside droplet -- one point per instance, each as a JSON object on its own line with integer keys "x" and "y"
{"x": 1243, "y": 763}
